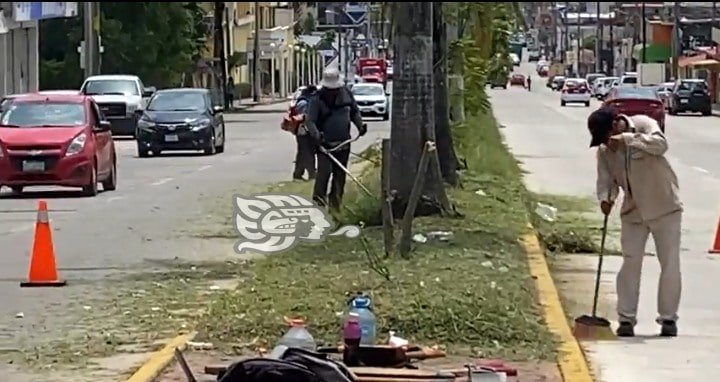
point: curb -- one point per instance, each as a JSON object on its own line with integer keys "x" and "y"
{"x": 158, "y": 361}
{"x": 571, "y": 358}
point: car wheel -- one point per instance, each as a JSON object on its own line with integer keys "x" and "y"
{"x": 110, "y": 184}
{"x": 505, "y": 87}
{"x": 707, "y": 112}
{"x": 17, "y": 190}
{"x": 221, "y": 146}
{"x": 142, "y": 151}
{"x": 587, "y": 104}
{"x": 386, "y": 116}
{"x": 211, "y": 149}
{"x": 562, "y": 103}
{"x": 91, "y": 189}
{"x": 672, "y": 111}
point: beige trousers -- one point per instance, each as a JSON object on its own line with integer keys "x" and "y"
{"x": 666, "y": 234}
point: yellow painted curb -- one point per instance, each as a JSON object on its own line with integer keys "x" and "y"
{"x": 571, "y": 358}
{"x": 160, "y": 359}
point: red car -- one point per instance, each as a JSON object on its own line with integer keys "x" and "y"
{"x": 56, "y": 140}
{"x": 517, "y": 80}
{"x": 631, "y": 100}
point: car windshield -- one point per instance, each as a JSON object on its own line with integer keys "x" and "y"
{"x": 629, "y": 80}
{"x": 692, "y": 86}
{"x": 370, "y": 70}
{"x": 117, "y": 87}
{"x": 367, "y": 90}
{"x": 43, "y": 114}
{"x": 637, "y": 93}
{"x": 177, "y": 101}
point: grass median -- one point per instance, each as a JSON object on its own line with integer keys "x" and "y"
{"x": 472, "y": 294}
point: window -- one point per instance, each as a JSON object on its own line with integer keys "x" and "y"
{"x": 629, "y": 80}
{"x": 370, "y": 70}
{"x": 118, "y": 87}
{"x": 43, "y": 114}
{"x": 177, "y": 101}
{"x": 367, "y": 90}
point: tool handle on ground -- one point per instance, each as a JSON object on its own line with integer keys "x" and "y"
{"x": 600, "y": 264}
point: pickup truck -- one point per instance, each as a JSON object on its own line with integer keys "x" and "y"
{"x": 121, "y": 99}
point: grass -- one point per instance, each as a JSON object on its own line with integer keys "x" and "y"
{"x": 577, "y": 228}
{"x": 472, "y": 294}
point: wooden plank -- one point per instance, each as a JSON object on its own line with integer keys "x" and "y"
{"x": 399, "y": 373}
{"x": 387, "y": 198}
{"x": 415, "y": 194}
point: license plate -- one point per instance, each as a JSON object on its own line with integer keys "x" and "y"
{"x": 33, "y": 166}
{"x": 683, "y": 101}
{"x": 171, "y": 138}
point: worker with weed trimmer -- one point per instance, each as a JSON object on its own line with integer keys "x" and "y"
{"x": 328, "y": 121}
{"x": 630, "y": 156}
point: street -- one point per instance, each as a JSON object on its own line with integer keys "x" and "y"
{"x": 552, "y": 144}
{"x": 158, "y": 202}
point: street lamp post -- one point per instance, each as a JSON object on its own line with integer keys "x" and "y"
{"x": 272, "y": 70}
{"x": 297, "y": 65}
{"x": 303, "y": 52}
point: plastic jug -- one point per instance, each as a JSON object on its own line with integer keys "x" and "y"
{"x": 362, "y": 306}
{"x": 298, "y": 336}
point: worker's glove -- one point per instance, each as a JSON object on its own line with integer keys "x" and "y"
{"x": 363, "y": 129}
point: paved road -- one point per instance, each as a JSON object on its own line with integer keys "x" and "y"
{"x": 552, "y": 142}
{"x": 121, "y": 230}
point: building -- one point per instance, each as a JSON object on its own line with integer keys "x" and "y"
{"x": 276, "y": 22}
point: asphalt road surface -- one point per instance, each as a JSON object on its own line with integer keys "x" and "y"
{"x": 120, "y": 231}
{"x": 552, "y": 143}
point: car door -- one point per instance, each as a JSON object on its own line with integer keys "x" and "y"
{"x": 217, "y": 119}
{"x": 103, "y": 142}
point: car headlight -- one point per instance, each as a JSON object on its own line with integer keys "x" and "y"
{"x": 77, "y": 145}
{"x": 132, "y": 107}
{"x": 200, "y": 124}
{"x": 145, "y": 123}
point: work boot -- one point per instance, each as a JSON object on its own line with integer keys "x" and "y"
{"x": 668, "y": 329}
{"x": 625, "y": 329}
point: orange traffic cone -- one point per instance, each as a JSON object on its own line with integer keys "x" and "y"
{"x": 716, "y": 245}
{"x": 43, "y": 270}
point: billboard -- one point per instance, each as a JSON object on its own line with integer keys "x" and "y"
{"x": 39, "y": 10}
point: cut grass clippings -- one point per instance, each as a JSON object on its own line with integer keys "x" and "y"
{"x": 577, "y": 228}
{"x": 472, "y": 294}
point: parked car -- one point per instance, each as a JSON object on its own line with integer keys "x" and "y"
{"x": 575, "y": 90}
{"x": 628, "y": 79}
{"x": 517, "y": 80}
{"x": 498, "y": 82}
{"x": 389, "y": 72}
{"x": 181, "y": 119}
{"x": 372, "y": 100}
{"x": 121, "y": 99}
{"x": 690, "y": 95}
{"x": 557, "y": 83}
{"x": 515, "y": 59}
{"x": 56, "y": 140}
{"x": 603, "y": 86}
{"x": 543, "y": 71}
{"x": 631, "y": 100}
{"x": 591, "y": 78}
{"x": 664, "y": 91}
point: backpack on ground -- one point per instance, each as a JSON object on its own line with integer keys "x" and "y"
{"x": 286, "y": 364}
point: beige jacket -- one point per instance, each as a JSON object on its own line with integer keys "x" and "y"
{"x": 640, "y": 168}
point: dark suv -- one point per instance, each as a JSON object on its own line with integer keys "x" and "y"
{"x": 690, "y": 95}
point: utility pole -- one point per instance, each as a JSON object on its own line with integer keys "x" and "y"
{"x": 712, "y": 19}
{"x": 644, "y": 34}
{"x": 553, "y": 46}
{"x": 256, "y": 55}
{"x": 578, "y": 39}
{"x": 676, "y": 37}
{"x": 219, "y": 51}
{"x": 567, "y": 32}
{"x": 90, "y": 45}
{"x": 598, "y": 38}
{"x": 611, "y": 65}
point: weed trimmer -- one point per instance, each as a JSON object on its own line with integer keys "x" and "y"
{"x": 342, "y": 167}
{"x": 590, "y": 327}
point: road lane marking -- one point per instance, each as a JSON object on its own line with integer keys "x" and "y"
{"x": 203, "y": 168}
{"x": 700, "y": 169}
{"x": 161, "y": 181}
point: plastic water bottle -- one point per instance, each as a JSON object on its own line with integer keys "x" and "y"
{"x": 298, "y": 336}
{"x": 362, "y": 306}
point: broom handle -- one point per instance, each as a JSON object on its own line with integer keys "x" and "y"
{"x": 599, "y": 268}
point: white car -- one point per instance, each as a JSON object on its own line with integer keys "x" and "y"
{"x": 515, "y": 59}
{"x": 372, "y": 100}
{"x": 603, "y": 86}
{"x": 120, "y": 97}
{"x": 575, "y": 90}
{"x": 629, "y": 79}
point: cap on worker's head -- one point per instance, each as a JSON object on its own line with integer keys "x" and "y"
{"x": 331, "y": 79}
{"x": 600, "y": 124}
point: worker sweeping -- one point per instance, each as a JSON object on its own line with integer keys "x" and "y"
{"x": 328, "y": 121}
{"x": 630, "y": 157}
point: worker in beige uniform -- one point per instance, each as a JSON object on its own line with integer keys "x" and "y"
{"x": 631, "y": 157}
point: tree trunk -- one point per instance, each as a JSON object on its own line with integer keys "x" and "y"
{"x": 443, "y": 134}
{"x": 412, "y": 121}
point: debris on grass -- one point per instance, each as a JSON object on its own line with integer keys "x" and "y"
{"x": 440, "y": 295}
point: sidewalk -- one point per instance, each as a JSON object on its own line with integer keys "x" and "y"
{"x": 716, "y": 109}
{"x": 266, "y": 105}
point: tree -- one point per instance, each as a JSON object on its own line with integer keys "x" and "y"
{"x": 412, "y": 109}
{"x": 443, "y": 134}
